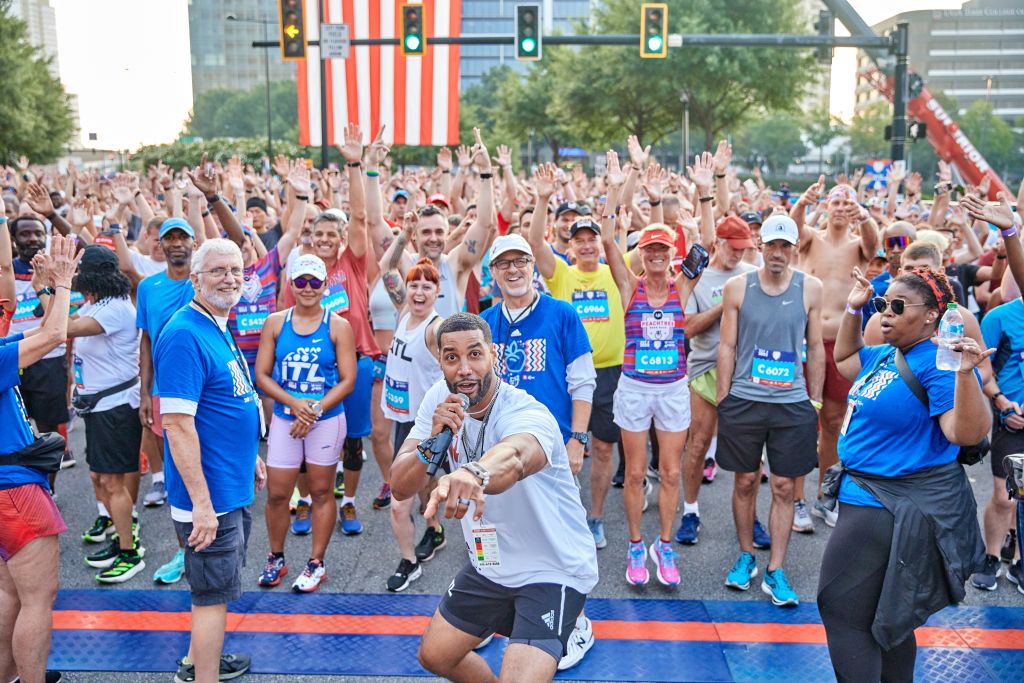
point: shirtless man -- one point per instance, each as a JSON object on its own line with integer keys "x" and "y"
{"x": 831, "y": 256}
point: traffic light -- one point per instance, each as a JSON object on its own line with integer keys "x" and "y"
{"x": 293, "y": 30}
{"x": 528, "y": 32}
{"x": 412, "y": 30}
{"x": 826, "y": 26}
{"x": 653, "y": 30}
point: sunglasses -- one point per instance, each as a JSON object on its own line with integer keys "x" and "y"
{"x": 311, "y": 281}
{"x": 898, "y": 305}
{"x": 901, "y": 241}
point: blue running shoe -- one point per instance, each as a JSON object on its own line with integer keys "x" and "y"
{"x": 762, "y": 539}
{"x": 302, "y": 525}
{"x": 597, "y": 530}
{"x": 273, "y": 570}
{"x": 742, "y": 572}
{"x": 350, "y": 524}
{"x": 173, "y": 570}
{"x": 689, "y": 529}
{"x": 776, "y": 585}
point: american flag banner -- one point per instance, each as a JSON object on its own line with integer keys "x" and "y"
{"x": 416, "y": 98}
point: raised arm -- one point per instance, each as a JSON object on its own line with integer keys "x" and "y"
{"x": 799, "y": 211}
{"x": 471, "y": 252}
{"x": 378, "y": 230}
{"x": 850, "y": 340}
{"x": 205, "y": 179}
{"x": 1001, "y": 216}
{"x": 967, "y": 422}
{"x": 544, "y": 182}
{"x": 504, "y": 161}
{"x": 391, "y": 264}
{"x": 352, "y": 152}
{"x": 723, "y": 198}
{"x": 624, "y": 278}
{"x": 60, "y": 266}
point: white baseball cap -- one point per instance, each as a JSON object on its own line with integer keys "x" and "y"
{"x": 307, "y": 264}
{"x": 780, "y": 228}
{"x": 509, "y": 243}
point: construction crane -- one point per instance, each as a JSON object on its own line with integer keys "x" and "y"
{"x": 949, "y": 141}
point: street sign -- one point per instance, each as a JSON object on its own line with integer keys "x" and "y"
{"x": 334, "y": 41}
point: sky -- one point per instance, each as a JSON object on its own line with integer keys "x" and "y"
{"x": 128, "y": 62}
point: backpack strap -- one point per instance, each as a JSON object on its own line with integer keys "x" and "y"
{"x": 911, "y": 381}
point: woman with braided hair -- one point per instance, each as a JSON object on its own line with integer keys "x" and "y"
{"x": 906, "y": 510}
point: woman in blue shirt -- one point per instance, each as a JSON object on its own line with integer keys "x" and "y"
{"x": 894, "y": 449}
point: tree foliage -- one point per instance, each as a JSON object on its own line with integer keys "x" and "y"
{"x": 35, "y": 117}
{"x": 774, "y": 140}
{"x": 867, "y": 132}
{"x": 991, "y": 135}
{"x": 251, "y": 151}
{"x": 243, "y": 113}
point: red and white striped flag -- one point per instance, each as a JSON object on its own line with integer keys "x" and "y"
{"x": 417, "y": 98}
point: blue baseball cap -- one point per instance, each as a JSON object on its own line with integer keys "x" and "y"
{"x": 400, "y": 193}
{"x": 176, "y": 224}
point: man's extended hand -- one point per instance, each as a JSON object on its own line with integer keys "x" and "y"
{"x": 456, "y": 491}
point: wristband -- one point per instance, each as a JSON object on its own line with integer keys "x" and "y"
{"x": 611, "y": 217}
{"x": 3, "y": 219}
{"x": 1001, "y": 258}
{"x": 719, "y": 175}
{"x": 354, "y": 164}
{"x": 655, "y": 203}
{"x": 486, "y": 176}
{"x": 137, "y": 193}
{"x": 50, "y": 216}
{"x": 852, "y": 311}
{"x": 705, "y": 199}
{"x": 449, "y": 171}
{"x": 63, "y": 287}
{"x": 213, "y": 198}
{"x": 818, "y": 405}
{"x": 372, "y": 174}
{"x": 302, "y": 197}
{"x": 998, "y": 394}
{"x": 1009, "y": 232}
{"x": 206, "y": 213}
{"x": 45, "y": 291}
{"x": 422, "y": 457}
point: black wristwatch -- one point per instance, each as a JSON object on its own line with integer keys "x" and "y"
{"x": 45, "y": 290}
{"x": 213, "y": 198}
{"x": 582, "y": 437}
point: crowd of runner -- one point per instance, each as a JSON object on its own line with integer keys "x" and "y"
{"x": 672, "y": 324}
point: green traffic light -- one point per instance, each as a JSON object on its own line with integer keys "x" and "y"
{"x": 412, "y": 43}
{"x": 654, "y": 44}
{"x": 529, "y": 45}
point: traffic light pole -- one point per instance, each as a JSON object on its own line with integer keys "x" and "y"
{"x": 899, "y": 93}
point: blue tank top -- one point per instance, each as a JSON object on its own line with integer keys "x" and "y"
{"x": 305, "y": 365}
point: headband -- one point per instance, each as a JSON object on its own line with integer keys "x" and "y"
{"x": 929, "y": 277}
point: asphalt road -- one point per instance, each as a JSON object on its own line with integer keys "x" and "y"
{"x": 361, "y": 564}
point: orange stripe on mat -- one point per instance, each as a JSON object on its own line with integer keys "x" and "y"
{"x": 694, "y": 631}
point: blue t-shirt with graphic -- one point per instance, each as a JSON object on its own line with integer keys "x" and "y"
{"x": 197, "y": 361}
{"x": 16, "y": 432}
{"x": 890, "y": 432}
{"x": 534, "y": 353}
{"x": 158, "y": 298}
{"x": 1002, "y": 328}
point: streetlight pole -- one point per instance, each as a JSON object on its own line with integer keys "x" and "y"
{"x": 266, "y": 77}
{"x": 685, "y": 99}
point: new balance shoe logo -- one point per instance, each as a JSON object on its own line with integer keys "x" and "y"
{"x": 549, "y": 619}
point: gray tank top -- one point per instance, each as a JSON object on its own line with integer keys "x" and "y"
{"x": 383, "y": 314}
{"x": 448, "y": 302}
{"x": 769, "y": 345}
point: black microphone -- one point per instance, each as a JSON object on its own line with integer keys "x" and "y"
{"x": 440, "y": 443}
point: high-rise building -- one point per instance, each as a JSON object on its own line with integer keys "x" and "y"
{"x": 970, "y": 54}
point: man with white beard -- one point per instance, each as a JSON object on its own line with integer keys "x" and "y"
{"x": 212, "y": 427}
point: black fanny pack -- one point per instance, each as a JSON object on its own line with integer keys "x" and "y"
{"x": 44, "y": 454}
{"x": 86, "y": 403}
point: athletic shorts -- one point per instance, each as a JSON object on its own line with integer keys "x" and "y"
{"x": 837, "y": 388}
{"x": 44, "y": 389}
{"x": 539, "y": 614}
{"x": 1004, "y": 442}
{"x": 322, "y": 446}
{"x": 357, "y": 404}
{"x": 112, "y": 440}
{"x": 602, "y": 413}
{"x": 27, "y": 512}
{"x": 637, "y": 404}
{"x": 215, "y": 575}
{"x": 788, "y": 430}
{"x": 706, "y": 386}
{"x": 380, "y": 363}
{"x": 402, "y": 430}
{"x": 158, "y": 424}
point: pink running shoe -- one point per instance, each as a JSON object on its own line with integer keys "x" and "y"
{"x": 636, "y": 572}
{"x": 710, "y": 470}
{"x": 665, "y": 557}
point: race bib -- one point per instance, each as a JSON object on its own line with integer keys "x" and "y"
{"x": 336, "y": 300}
{"x": 484, "y": 552}
{"x": 658, "y": 325}
{"x": 773, "y": 368}
{"x": 310, "y": 391}
{"x": 657, "y": 357}
{"x": 77, "y": 366}
{"x": 591, "y": 306}
{"x": 24, "y": 312}
{"x": 250, "y": 318}
{"x": 396, "y": 394}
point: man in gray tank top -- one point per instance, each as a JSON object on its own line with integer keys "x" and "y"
{"x": 764, "y": 400}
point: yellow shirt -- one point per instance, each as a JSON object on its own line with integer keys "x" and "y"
{"x": 596, "y": 300}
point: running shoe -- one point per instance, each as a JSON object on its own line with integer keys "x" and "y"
{"x": 742, "y": 572}
{"x": 597, "y": 529}
{"x": 293, "y": 502}
{"x": 105, "y": 558}
{"x": 636, "y": 571}
{"x": 128, "y": 564}
{"x": 802, "y": 522}
{"x": 339, "y": 484}
{"x": 776, "y": 585}
{"x": 432, "y": 541}
{"x": 830, "y": 516}
{"x": 311, "y": 577}
{"x": 156, "y": 496}
{"x": 1009, "y": 548}
{"x": 383, "y": 499}
{"x": 68, "y": 460}
{"x": 648, "y": 489}
{"x": 665, "y": 557}
{"x": 172, "y": 571}
{"x": 652, "y": 473}
{"x": 273, "y": 571}
{"x": 231, "y": 667}
{"x": 135, "y": 531}
{"x": 988, "y": 578}
{"x": 406, "y": 573}
{"x": 1015, "y": 574}
{"x": 764, "y": 473}
{"x": 710, "y": 470}
{"x": 580, "y": 641}
{"x": 689, "y": 529}
{"x": 97, "y": 533}
{"x": 302, "y": 524}
{"x": 762, "y": 539}
{"x": 350, "y": 524}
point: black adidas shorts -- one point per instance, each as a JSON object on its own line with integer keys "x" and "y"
{"x": 539, "y": 614}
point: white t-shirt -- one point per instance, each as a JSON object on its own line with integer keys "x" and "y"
{"x": 540, "y": 524}
{"x": 145, "y": 265}
{"x": 106, "y": 360}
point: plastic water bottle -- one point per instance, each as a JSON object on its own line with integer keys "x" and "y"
{"x": 951, "y": 329}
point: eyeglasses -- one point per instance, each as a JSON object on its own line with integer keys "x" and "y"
{"x": 901, "y": 241}
{"x": 219, "y": 273}
{"x": 313, "y": 283}
{"x": 898, "y": 305}
{"x": 505, "y": 264}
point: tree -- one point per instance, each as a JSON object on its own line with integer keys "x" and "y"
{"x": 35, "y": 116}
{"x": 990, "y": 134}
{"x": 243, "y": 113}
{"x": 250, "y": 150}
{"x": 775, "y": 139}
{"x": 867, "y": 132}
